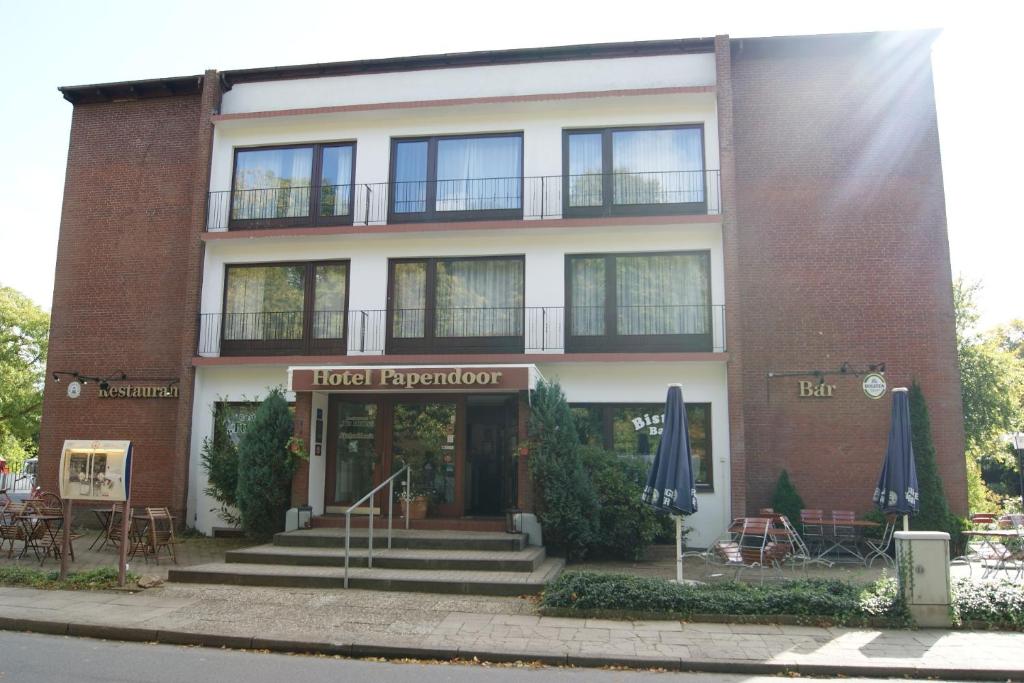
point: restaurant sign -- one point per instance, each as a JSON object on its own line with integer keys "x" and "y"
{"x": 135, "y": 391}
{"x": 874, "y": 385}
{"x": 403, "y": 378}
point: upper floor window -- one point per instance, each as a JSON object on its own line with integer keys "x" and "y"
{"x": 639, "y": 302}
{"x": 456, "y": 178}
{"x": 285, "y": 308}
{"x": 304, "y": 184}
{"x": 456, "y": 304}
{"x": 630, "y": 171}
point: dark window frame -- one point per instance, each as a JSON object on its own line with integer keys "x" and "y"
{"x": 431, "y": 215}
{"x": 611, "y": 340}
{"x": 312, "y": 217}
{"x": 430, "y": 342}
{"x": 608, "y": 206}
{"x": 306, "y": 345}
{"x": 607, "y": 431}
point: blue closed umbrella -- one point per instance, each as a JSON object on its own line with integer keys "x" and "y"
{"x": 897, "y": 491}
{"x": 670, "y": 485}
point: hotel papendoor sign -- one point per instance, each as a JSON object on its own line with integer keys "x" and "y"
{"x": 508, "y": 378}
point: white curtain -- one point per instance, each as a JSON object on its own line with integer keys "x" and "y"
{"x": 585, "y": 169}
{"x": 478, "y": 174}
{"x": 264, "y": 302}
{"x": 410, "y": 188}
{"x": 588, "y": 296}
{"x": 336, "y": 181}
{"x": 329, "y": 301}
{"x": 272, "y": 183}
{"x": 658, "y": 166}
{"x": 662, "y": 294}
{"x": 410, "y": 300}
{"x": 480, "y": 298}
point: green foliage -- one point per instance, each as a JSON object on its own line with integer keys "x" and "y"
{"x": 103, "y": 578}
{"x": 565, "y": 500}
{"x": 265, "y": 467}
{"x": 786, "y": 501}
{"x": 627, "y": 525}
{"x": 24, "y": 337}
{"x": 933, "y": 514}
{"x": 836, "y": 601}
{"x": 997, "y": 603}
{"x": 220, "y": 460}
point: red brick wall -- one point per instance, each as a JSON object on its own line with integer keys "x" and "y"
{"x": 121, "y": 294}
{"x": 843, "y": 256}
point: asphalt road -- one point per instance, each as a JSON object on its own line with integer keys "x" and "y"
{"x": 35, "y": 658}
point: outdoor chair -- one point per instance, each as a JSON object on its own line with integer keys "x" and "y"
{"x": 766, "y": 512}
{"x": 50, "y": 500}
{"x": 160, "y": 533}
{"x": 114, "y": 532}
{"x": 813, "y": 524}
{"x": 800, "y": 552}
{"x": 756, "y": 550}
{"x": 844, "y": 534}
{"x": 10, "y": 526}
{"x": 878, "y": 549}
{"x": 978, "y": 549}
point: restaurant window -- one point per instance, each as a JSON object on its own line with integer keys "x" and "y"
{"x": 452, "y": 178}
{"x": 285, "y": 308}
{"x": 236, "y": 416}
{"x": 635, "y": 429}
{"x": 641, "y": 302}
{"x": 468, "y": 304}
{"x": 278, "y": 186}
{"x": 628, "y": 171}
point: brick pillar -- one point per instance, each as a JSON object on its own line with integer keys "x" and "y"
{"x": 731, "y": 268}
{"x": 525, "y": 498}
{"x": 303, "y": 415}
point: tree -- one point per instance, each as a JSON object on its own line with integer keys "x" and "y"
{"x": 992, "y": 388}
{"x": 565, "y": 499}
{"x": 24, "y": 333}
{"x": 786, "y": 500}
{"x": 265, "y": 467}
{"x": 220, "y": 460}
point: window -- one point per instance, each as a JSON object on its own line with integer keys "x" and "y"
{"x": 635, "y": 429}
{"x": 456, "y": 304}
{"x": 453, "y": 178}
{"x": 236, "y": 416}
{"x": 280, "y": 186}
{"x": 285, "y": 308}
{"x": 629, "y": 171}
{"x": 643, "y": 302}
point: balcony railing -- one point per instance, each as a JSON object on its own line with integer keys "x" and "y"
{"x": 530, "y": 329}
{"x": 531, "y": 198}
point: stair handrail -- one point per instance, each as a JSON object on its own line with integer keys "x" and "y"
{"x": 390, "y": 483}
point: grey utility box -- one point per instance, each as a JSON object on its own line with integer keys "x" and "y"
{"x": 922, "y": 565}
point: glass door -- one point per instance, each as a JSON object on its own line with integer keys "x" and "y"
{"x": 353, "y": 452}
{"x": 425, "y": 435}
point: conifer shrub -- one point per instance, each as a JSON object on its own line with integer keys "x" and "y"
{"x": 627, "y": 524}
{"x": 786, "y": 500}
{"x": 265, "y": 467}
{"x": 564, "y": 496}
{"x": 219, "y": 458}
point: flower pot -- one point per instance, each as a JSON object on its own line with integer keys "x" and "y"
{"x": 417, "y": 508}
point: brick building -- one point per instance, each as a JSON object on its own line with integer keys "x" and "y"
{"x": 407, "y": 245}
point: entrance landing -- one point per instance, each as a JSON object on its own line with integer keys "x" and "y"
{"x": 333, "y": 521}
{"x": 429, "y": 561}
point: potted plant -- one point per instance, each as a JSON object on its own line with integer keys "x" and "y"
{"x": 413, "y": 503}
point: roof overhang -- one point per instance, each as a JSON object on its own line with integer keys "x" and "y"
{"x": 132, "y": 90}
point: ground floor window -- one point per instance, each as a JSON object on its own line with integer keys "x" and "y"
{"x": 236, "y": 416}
{"x": 635, "y": 429}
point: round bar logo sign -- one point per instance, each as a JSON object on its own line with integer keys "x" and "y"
{"x": 874, "y": 385}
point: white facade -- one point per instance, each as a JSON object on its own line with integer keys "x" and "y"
{"x": 541, "y": 121}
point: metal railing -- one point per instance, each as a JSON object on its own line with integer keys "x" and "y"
{"x": 390, "y": 483}
{"x": 497, "y": 329}
{"x": 633, "y": 193}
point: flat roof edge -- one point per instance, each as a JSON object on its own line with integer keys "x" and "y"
{"x": 132, "y": 90}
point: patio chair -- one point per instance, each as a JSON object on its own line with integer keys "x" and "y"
{"x": 114, "y": 532}
{"x": 844, "y": 534}
{"x": 756, "y": 551}
{"x": 160, "y": 533}
{"x": 766, "y": 512}
{"x": 878, "y": 549}
{"x": 10, "y": 526}
{"x": 800, "y": 551}
{"x": 813, "y": 524}
{"x": 978, "y": 549}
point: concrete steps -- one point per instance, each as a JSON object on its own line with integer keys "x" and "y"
{"x": 433, "y": 561}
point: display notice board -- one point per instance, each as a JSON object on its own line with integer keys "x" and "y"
{"x": 95, "y": 470}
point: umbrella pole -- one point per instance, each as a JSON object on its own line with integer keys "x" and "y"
{"x": 679, "y": 549}
{"x": 906, "y": 522}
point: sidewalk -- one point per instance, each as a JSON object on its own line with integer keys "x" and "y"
{"x": 366, "y": 623}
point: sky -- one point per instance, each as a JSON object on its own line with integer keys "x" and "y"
{"x": 977, "y": 63}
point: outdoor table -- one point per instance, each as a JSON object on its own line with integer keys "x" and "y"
{"x": 828, "y": 527}
{"x": 1000, "y": 553}
{"x": 52, "y": 525}
{"x": 103, "y": 515}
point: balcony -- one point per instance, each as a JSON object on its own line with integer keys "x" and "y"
{"x": 520, "y": 330}
{"x": 661, "y": 193}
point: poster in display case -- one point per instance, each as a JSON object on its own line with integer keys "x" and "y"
{"x": 95, "y": 470}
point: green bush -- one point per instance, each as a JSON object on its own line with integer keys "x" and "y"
{"x": 565, "y": 501}
{"x": 93, "y": 579}
{"x": 266, "y": 467}
{"x": 220, "y": 460}
{"x": 933, "y": 514}
{"x": 627, "y": 524}
{"x": 999, "y": 603}
{"x": 786, "y": 501}
{"x": 837, "y": 601}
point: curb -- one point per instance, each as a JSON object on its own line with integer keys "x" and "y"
{"x": 359, "y": 650}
